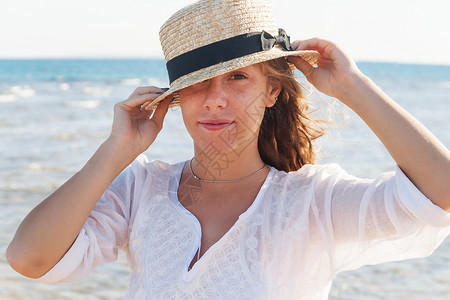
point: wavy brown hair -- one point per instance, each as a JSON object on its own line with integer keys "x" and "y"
{"x": 287, "y": 132}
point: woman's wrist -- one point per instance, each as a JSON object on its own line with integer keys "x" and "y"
{"x": 110, "y": 159}
{"x": 125, "y": 147}
{"x": 355, "y": 89}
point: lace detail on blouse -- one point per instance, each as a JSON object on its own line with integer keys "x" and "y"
{"x": 302, "y": 229}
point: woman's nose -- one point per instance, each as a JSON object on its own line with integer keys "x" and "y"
{"x": 215, "y": 96}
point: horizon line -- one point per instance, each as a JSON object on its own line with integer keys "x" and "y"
{"x": 5, "y": 58}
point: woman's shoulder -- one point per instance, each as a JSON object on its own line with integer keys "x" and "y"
{"x": 143, "y": 171}
{"x": 312, "y": 172}
{"x": 142, "y": 165}
{"x": 312, "y": 178}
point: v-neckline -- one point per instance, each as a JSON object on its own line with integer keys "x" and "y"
{"x": 189, "y": 274}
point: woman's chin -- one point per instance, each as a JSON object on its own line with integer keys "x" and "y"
{"x": 220, "y": 149}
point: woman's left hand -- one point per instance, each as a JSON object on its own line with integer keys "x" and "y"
{"x": 419, "y": 154}
{"x": 335, "y": 73}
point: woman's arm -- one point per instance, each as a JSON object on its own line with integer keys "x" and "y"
{"x": 420, "y": 155}
{"x": 50, "y": 228}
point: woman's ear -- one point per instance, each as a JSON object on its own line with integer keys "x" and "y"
{"x": 274, "y": 87}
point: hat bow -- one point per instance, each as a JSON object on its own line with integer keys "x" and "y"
{"x": 268, "y": 41}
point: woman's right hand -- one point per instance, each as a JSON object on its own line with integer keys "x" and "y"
{"x": 134, "y": 129}
{"x": 50, "y": 229}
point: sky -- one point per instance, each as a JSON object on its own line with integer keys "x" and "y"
{"x": 404, "y": 31}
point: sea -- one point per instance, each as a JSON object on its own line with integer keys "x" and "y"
{"x": 54, "y": 113}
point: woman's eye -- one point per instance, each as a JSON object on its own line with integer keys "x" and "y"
{"x": 238, "y": 76}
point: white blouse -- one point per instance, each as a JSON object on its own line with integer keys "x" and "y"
{"x": 302, "y": 229}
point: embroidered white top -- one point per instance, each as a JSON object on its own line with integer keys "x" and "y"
{"x": 302, "y": 229}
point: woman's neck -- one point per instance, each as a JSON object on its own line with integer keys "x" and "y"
{"x": 196, "y": 194}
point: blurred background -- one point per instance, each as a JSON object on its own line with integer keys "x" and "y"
{"x": 63, "y": 65}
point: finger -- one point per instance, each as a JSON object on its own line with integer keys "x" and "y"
{"x": 295, "y": 45}
{"x": 302, "y": 65}
{"x": 161, "y": 111}
{"x": 152, "y": 106}
{"x": 138, "y": 101}
{"x": 146, "y": 103}
{"x": 320, "y": 45}
{"x": 147, "y": 90}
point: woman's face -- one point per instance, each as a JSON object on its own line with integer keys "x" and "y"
{"x": 224, "y": 113}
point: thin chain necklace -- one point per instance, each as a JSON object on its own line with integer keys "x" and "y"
{"x": 222, "y": 181}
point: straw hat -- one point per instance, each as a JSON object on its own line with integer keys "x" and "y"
{"x": 213, "y": 37}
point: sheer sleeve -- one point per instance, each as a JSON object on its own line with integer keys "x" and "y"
{"x": 364, "y": 221}
{"x": 104, "y": 232}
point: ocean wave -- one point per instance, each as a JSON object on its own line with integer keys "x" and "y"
{"x": 83, "y": 103}
{"x": 66, "y": 136}
{"x": 131, "y": 81}
{"x": 64, "y": 86}
{"x": 445, "y": 84}
{"x": 156, "y": 82}
{"x": 7, "y": 98}
{"x": 21, "y": 91}
{"x": 97, "y": 91}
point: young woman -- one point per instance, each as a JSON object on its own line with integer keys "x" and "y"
{"x": 249, "y": 216}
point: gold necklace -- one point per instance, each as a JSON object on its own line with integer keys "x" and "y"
{"x": 222, "y": 181}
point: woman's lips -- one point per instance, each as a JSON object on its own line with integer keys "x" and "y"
{"x": 215, "y": 124}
